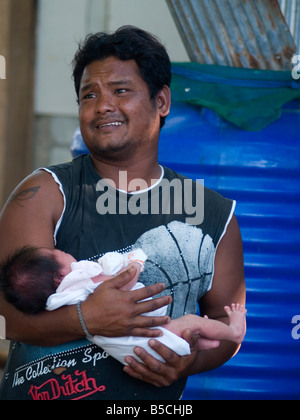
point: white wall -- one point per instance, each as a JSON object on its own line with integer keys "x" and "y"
{"x": 63, "y": 23}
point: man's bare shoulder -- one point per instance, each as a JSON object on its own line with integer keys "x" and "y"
{"x": 31, "y": 213}
{"x": 33, "y": 188}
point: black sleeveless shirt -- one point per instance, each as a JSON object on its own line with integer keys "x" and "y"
{"x": 177, "y": 224}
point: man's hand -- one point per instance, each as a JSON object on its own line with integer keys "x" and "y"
{"x": 112, "y": 312}
{"x": 163, "y": 374}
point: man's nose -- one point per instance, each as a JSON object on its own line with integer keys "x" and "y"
{"x": 105, "y": 103}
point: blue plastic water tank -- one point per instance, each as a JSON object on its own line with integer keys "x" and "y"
{"x": 261, "y": 171}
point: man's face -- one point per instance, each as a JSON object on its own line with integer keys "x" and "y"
{"x": 117, "y": 116}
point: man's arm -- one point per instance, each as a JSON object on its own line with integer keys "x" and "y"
{"x": 228, "y": 287}
{"x": 29, "y": 218}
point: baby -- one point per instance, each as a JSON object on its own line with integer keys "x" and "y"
{"x": 35, "y": 279}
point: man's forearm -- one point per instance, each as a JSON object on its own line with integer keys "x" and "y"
{"x": 212, "y": 359}
{"x": 109, "y": 311}
{"x": 46, "y": 329}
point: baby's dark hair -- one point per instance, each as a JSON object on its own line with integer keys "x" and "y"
{"x": 27, "y": 279}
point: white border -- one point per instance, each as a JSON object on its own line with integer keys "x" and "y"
{"x": 221, "y": 237}
{"x": 54, "y": 176}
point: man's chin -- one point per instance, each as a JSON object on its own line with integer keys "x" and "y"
{"x": 114, "y": 152}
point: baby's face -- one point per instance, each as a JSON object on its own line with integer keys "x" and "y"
{"x": 64, "y": 260}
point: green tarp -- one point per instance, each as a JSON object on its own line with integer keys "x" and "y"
{"x": 250, "y": 99}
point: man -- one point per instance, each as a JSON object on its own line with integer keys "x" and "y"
{"x": 122, "y": 83}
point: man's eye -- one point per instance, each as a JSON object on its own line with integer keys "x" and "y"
{"x": 122, "y": 90}
{"x": 89, "y": 96}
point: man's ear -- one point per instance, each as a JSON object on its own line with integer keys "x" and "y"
{"x": 163, "y": 101}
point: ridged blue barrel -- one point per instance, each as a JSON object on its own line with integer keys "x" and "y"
{"x": 261, "y": 171}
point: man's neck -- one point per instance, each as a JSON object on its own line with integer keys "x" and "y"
{"x": 130, "y": 176}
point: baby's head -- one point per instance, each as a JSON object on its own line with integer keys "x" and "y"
{"x": 31, "y": 275}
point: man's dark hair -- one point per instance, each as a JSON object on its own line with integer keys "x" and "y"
{"x": 127, "y": 43}
{"x": 27, "y": 279}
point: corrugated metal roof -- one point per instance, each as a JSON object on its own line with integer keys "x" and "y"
{"x": 291, "y": 11}
{"x": 237, "y": 33}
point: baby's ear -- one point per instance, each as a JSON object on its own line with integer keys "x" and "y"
{"x": 58, "y": 278}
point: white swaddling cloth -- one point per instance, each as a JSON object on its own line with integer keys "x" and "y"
{"x": 78, "y": 285}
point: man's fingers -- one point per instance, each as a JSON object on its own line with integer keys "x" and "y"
{"x": 166, "y": 353}
{"x": 141, "y": 371}
{"x": 144, "y": 293}
{"x": 153, "y": 304}
{"x": 149, "y": 291}
{"x": 124, "y": 278}
{"x": 191, "y": 338}
{"x": 151, "y": 370}
{"x": 150, "y": 333}
{"x": 152, "y": 321}
{"x": 129, "y": 319}
{"x": 144, "y": 296}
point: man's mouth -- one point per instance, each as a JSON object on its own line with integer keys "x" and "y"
{"x": 110, "y": 124}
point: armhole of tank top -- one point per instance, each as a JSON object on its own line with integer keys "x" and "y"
{"x": 54, "y": 176}
{"x": 221, "y": 237}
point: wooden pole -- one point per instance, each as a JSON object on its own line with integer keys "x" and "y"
{"x": 17, "y": 47}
